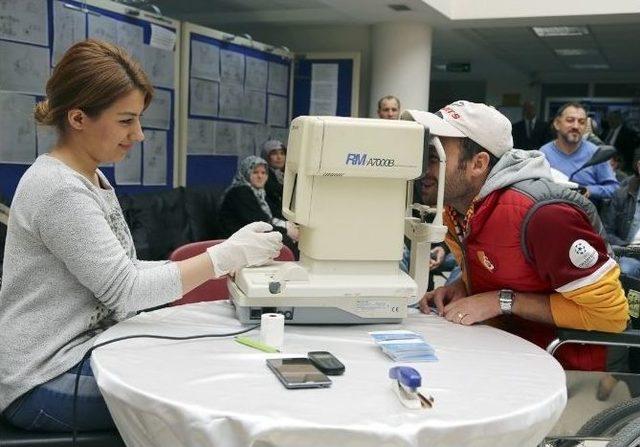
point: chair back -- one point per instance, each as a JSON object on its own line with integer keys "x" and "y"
{"x": 214, "y": 289}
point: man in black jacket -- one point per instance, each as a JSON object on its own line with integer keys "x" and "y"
{"x": 530, "y": 133}
{"x": 623, "y": 138}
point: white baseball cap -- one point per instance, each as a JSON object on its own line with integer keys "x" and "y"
{"x": 479, "y": 122}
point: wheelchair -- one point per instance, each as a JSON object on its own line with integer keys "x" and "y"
{"x": 617, "y": 425}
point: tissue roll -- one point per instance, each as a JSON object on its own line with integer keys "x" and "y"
{"x": 272, "y": 329}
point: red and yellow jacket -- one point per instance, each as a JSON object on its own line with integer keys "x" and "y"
{"x": 513, "y": 241}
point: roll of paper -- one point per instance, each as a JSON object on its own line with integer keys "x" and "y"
{"x": 272, "y": 330}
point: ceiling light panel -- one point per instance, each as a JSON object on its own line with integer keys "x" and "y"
{"x": 399, "y": 7}
{"x": 590, "y": 66}
{"x": 560, "y": 31}
{"x": 574, "y": 51}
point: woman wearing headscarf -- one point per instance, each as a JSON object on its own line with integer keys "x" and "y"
{"x": 245, "y": 202}
{"x": 275, "y": 153}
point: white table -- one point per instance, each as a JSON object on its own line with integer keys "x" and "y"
{"x": 490, "y": 388}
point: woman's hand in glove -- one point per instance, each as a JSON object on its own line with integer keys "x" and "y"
{"x": 253, "y": 244}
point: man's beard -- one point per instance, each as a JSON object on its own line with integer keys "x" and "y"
{"x": 571, "y": 137}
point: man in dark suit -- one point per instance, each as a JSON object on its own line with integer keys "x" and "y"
{"x": 530, "y": 132}
{"x": 623, "y": 138}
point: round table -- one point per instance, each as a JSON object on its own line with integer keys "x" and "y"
{"x": 490, "y": 388}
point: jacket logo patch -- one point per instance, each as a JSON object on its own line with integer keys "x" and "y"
{"x": 484, "y": 260}
{"x": 582, "y": 254}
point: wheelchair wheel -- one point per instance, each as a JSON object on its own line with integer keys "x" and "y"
{"x": 629, "y": 436}
{"x": 609, "y": 423}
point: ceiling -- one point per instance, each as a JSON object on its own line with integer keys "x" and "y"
{"x": 611, "y": 48}
{"x": 289, "y": 12}
{"x": 605, "y": 53}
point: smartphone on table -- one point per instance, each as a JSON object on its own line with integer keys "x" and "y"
{"x": 298, "y": 373}
{"x": 326, "y": 362}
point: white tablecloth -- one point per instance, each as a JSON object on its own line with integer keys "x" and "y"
{"x": 490, "y": 388}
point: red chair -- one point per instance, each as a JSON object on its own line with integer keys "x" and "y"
{"x": 214, "y": 289}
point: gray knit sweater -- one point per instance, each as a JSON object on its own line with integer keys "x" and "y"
{"x": 70, "y": 271}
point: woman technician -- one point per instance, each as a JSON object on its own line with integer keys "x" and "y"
{"x": 70, "y": 267}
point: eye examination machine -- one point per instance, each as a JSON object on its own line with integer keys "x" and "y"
{"x": 348, "y": 187}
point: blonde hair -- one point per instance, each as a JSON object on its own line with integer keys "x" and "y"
{"x": 91, "y": 76}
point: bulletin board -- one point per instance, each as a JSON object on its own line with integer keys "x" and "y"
{"x": 235, "y": 95}
{"x": 326, "y": 84}
{"x": 34, "y": 34}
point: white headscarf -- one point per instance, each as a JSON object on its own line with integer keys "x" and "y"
{"x": 243, "y": 178}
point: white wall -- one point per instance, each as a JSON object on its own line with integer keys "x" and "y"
{"x": 330, "y": 38}
{"x": 401, "y": 64}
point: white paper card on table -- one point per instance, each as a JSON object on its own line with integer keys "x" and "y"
{"x": 201, "y": 137}
{"x": 154, "y": 162}
{"x": 203, "y": 97}
{"x": 162, "y": 38}
{"x": 17, "y": 128}
{"x": 24, "y": 68}
{"x": 129, "y": 170}
{"x": 158, "y": 114}
{"x": 404, "y": 346}
{"x": 205, "y": 61}
{"x": 24, "y": 21}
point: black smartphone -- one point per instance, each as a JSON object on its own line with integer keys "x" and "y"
{"x": 326, "y": 362}
{"x": 298, "y": 373}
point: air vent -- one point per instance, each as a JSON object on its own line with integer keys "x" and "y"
{"x": 399, "y": 7}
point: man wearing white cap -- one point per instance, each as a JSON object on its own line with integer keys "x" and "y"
{"x": 530, "y": 250}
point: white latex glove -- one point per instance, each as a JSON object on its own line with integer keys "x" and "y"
{"x": 292, "y": 231}
{"x": 253, "y": 244}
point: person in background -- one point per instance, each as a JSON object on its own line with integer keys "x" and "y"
{"x": 622, "y": 221}
{"x": 531, "y": 252}
{"x": 389, "y": 107}
{"x": 275, "y": 152}
{"x": 623, "y": 138}
{"x": 245, "y": 202}
{"x": 70, "y": 266}
{"x": 530, "y": 132}
{"x": 616, "y": 163}
{"x": 569, "y": 151}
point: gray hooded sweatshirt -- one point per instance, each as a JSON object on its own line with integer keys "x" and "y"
{"x": 515, "y": 166}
